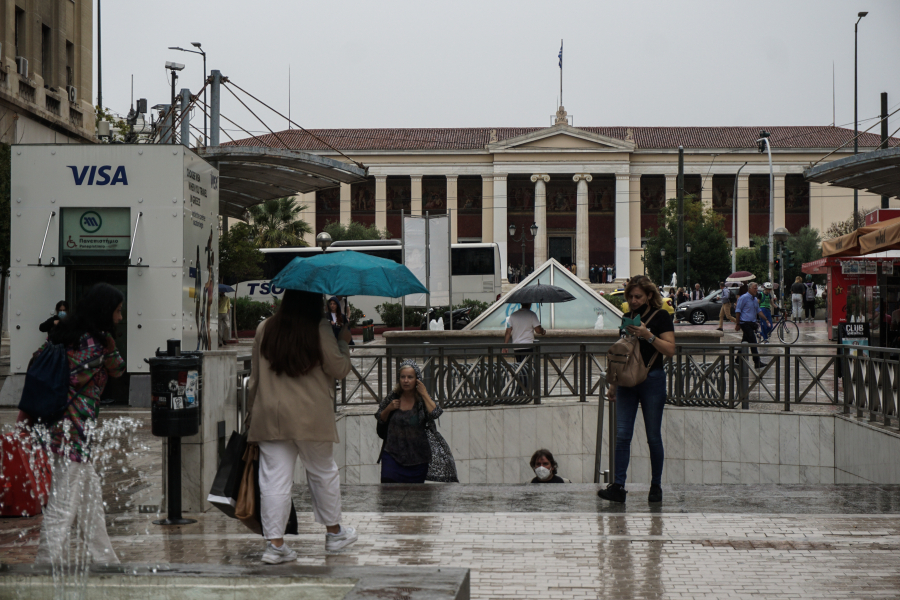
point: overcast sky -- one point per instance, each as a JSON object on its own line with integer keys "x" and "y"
{"x": 492, "y": 63}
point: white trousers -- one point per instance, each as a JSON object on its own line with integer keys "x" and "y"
{"x": 276, "y": 477}
{"x": 797, "y": 306}
{"x": 76, "y": 498}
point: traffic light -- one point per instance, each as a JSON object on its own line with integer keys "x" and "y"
{"x": 764, "y": 253}
{"x": 790, "y": 259}
{"x": 777, "y": 265}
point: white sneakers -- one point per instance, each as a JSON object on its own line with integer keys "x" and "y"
{"x": 275, "y": 555}
{"x": 340, "y": 540}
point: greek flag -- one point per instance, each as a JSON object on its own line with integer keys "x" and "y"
{"x": 560, "y": 55}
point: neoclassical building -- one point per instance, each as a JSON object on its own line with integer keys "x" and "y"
{"x": 594, "y": 192}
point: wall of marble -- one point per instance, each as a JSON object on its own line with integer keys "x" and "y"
{"x": 493, "y": 445}
{"x": 865, "y": 453}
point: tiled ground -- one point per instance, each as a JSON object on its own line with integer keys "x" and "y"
{"x": 529, "y": 542}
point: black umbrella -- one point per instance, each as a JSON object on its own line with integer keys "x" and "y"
{"x": 539, "y": 294}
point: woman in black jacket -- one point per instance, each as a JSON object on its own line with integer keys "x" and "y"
{"x": 49, "y": 324}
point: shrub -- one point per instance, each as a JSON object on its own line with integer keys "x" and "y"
{"x": 355, "y": 316}
{"x": 390, "y": 314}
{"x": 478, "y": 307}
{"x": 249, "y": 312}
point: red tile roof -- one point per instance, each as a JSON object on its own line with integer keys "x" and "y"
{"x": 475, "y": 138}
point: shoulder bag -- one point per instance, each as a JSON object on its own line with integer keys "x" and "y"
{"x": 624, "y": 364}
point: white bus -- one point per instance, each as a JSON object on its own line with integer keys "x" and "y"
{"x": 476, "y": 271}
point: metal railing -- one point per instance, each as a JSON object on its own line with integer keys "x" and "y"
{"x": 866, "y": 380}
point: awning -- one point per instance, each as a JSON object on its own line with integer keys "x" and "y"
{"x": 249, "y": 175}
{"x": 885, "y": 238}
{"x": 850, "y": 244}
{"x": 877, "y": 172}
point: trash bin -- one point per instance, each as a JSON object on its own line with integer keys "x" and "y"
{"x": 175, "y": 387}
{"x": 368, "y": 330}
{"x": 175, "y": 383}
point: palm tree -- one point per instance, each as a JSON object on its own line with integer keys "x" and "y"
{"x": 276, "y": 223}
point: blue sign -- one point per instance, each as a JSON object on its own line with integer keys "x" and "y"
{"x": 94, "y": 175}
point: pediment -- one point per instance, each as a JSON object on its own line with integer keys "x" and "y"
{"x": 561, "y": 138}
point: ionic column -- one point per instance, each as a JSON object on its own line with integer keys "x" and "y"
{"x": 780, "y": 191}
{"x": 540, "y": 217}
{"x": 415, "y": 192}
{"x": 582, "y": 237}
{"x": 451, "y": 206}
{"x": 707, "y": 192}
{"x": 381, "y": 202}
{"x": 634, "y": 205}
{"x": 487, "y": 208}
{"x": 308, "y": 215}
{"x": 345, "y": 204}
{"x": 501, "y": 236}
{"x": 671, "y": 186}
{"x": 743, "y": 212}
{"x": 623, "y": 228}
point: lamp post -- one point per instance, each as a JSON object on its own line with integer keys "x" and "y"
{"x": 323, "y": 240}
{"x": 523, "y": 238}
{"x": 781, "y": 234}
{"x": 763, "y": 145}
{"x": 200, "y": 51}
{"x": 662, "y": 265}
{"x": 855, "y": 116}
{"x": 734, "y": 202}
{"x": 687, "y": 249}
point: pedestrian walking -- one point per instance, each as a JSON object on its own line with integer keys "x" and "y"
{"x": 747, "y": 312}
{"x": 798, "y": 292}
{"x": 603, "y": 274}
{"x": 680, "y": 296}
{"x": 520, "y": 329}
{"x": 295, "y": 361}
{"x": 697, "y": 293}
{"x": 765, "y": 306}
{"x": 59, "y": 313}
{"x": 809, "y": 300}
{"x": 728, "y": 300}
{"x": 657, "y": 336}
{"x": 224, "y": 321}
{"x": 75, "y": 492}
{"x": 406, "y": 421}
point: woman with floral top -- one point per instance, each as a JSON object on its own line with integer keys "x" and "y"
{"x": 75, "y": 495}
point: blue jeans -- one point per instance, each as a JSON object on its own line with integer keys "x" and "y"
{"x": 766, "y": 328}
{"x": 651, "y": 395}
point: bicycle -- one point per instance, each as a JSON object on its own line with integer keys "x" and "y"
{"x": 787, "y": 330}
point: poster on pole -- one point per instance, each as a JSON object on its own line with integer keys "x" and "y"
{"x": 437, "y": 280}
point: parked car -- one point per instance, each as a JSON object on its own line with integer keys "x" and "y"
{"x": 619, "y": 296}
{"x": 698, "y": 312}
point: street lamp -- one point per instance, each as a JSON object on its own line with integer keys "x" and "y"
{"x": 198, "y": 50}
{"x": 763, "y": 145}
{"x": 781, "y": 235}
{"x": 523, "y": 238}
{"x": 687, "y": 249}
{"x": 323, "y": 240}
{"x": 662, "y": 265}
{"x": 856, "y": 116}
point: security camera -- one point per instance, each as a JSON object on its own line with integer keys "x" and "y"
{"x": 173, "y": 66}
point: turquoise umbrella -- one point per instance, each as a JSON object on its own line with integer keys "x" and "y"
{"x": 349, "y": 273}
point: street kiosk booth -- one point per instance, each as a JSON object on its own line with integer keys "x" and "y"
{"x": 142, "y": 218}
{"x": 852, "y": 292}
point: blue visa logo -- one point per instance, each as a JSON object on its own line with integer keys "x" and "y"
{"x": 94, "y": 175}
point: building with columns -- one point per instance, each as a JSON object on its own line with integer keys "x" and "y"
{"x": 594, "y": 192}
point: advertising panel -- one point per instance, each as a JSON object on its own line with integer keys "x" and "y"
{"x": 95, "y": 231}
{"x": 201, "y": 248}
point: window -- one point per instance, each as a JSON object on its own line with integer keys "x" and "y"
{"x": 473, "y": 261}
{"x": 46, "y": 54}
{"x": 70, "y": 63}
{"x": 20, "y": 32}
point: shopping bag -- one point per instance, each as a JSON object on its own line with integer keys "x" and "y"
{"x": 24, "y": 476}
{"x": 248, "y": 506}
{"x": 225, "y": 487}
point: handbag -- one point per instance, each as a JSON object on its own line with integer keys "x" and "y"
{"x": 227, "y": 483}
{"x": 624, "y": 363}
{"x": 442, "y": 467}
{"x": 247, "y": 509}
{"x": 24, "y": 476}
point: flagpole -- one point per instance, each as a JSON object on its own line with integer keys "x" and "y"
{"x": 560, "y": 73}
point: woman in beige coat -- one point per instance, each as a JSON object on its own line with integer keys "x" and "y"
{"x": 296, "y": 359}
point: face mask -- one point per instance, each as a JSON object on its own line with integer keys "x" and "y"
{"x": 61, "y": 314}
{"x": 542, "y": 473}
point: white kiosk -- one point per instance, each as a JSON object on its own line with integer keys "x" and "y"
{"x": 143, "y": 218}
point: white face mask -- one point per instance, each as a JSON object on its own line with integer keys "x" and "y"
{"x": 542, "y": 473}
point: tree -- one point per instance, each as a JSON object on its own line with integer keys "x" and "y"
{"x": 355, "y": 231}
{"x": 751, "y": 260}
{"x": 839, "y": 228}
{"x": 704, "y": 230}
{"x": 117, "y": 125}
{"x": 239, "y": 257}
{"x": 276, "y": 223}
{"x": 807, "y": 247}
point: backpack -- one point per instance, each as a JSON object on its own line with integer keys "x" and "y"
{"x": 624, "y": 364}
{"x": 45, "y": 396}
{"x": 810, "y": 291}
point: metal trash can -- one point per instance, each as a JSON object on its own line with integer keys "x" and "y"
{"x": 368, "y": 330}
{"x": 176, "y": 383}
{"x": 175, "y": 387}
